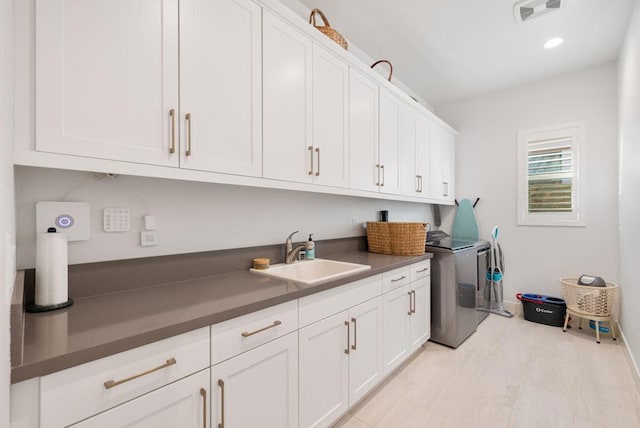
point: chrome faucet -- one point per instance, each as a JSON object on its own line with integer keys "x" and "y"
{"x": 291, "y": 250}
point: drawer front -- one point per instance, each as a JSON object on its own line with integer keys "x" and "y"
{"x": 238, "y": 335}
{"x": 396, "y": 278}
{"x": 322, "y": 305}
{"x": 76, "y": 393}
{"x": 420, "y": 270}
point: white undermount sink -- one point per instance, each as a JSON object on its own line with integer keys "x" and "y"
{"x": 312, "y": 272}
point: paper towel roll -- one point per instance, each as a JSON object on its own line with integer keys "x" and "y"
{"x": 51, "y": 269}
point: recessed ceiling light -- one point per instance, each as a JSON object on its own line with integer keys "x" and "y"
{"x": 552, "y": 43}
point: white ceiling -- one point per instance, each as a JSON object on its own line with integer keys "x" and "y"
{"x": 447, "y": 50}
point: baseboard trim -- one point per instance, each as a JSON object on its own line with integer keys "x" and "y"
{"x": 630, "y": 358}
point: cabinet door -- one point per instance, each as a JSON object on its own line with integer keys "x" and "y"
{"x": 363, "y": 132}
{"x": 181, "y": 404}
{"x": 258, "y": 388}
{"x": 221, "y": 86}
{"x": 395, "y": 336}
{"x": 389, "y": 143}
{"x": 106, "y": 77}
{"x": 287, "y": 91}
{"x": 408, "y": 146}
{"x": 324, "y": 365}
{"x": 421, "y": 313}
{"x": 442, "y": 163}
{"x": 330, "y": 119}
{"x": 365, "y": 358}
{"x": 423, "y": 156}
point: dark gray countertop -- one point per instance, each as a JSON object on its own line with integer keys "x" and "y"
{"x": 97, "y": 326}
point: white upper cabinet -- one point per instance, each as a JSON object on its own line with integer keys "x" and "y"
{"x": 442, "y": 164}
{"x": 304, "y": 84}
{"x": 287, "y": 102}
{"x": 330, "y": 119}
{"x": 221, "y": 86}
{"x": 363, "y": 132}
{"x": 226, "y": 87}
{"x": 423, "y": 156}
{"x": 414, "y": 144}
{"x": 107, "y": 79}
{"x": 389, "y": 163}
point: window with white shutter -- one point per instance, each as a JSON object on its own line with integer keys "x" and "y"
{"x": 549, "y": 189}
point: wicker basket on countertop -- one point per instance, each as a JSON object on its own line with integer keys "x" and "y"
{"x": 396, "y": 238}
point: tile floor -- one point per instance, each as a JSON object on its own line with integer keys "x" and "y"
{"x": 510, "y": 373}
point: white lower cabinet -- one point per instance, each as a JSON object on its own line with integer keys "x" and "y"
{"x": 407, "y": 315}
{"x": 184, "y": 403}
{"x": 340, "y": 361}
{"x": 258, "y": 388}
{"x": 257, "y": 370}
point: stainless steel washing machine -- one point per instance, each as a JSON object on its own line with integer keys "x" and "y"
{"x": 455, "y": 280}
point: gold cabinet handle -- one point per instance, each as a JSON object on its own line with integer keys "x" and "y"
{"x": 188, "y": 120}
{"x": 318, "y": 152}
{"x": 221, "y": 385}
{"x": 410, "y": 307}
{"x": 275, "y": 324}
{"x": 413, "y": 308}
{"x": 172, "y": 115}
{"x": 382, "y": 182}
{"x": 311, "y": 165}
{"x": 355, "y": 335}
{"x": 203, "y": 394}
{"x": 378, "y": 169}
{"x": 346, "y": 351}
{"x": 111, "y": 383}
{"x": 399, "y": 279}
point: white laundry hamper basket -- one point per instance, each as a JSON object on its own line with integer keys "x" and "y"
{"x": 592, "y": 303}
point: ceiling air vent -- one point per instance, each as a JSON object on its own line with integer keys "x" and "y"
{"x": 526, "y": 10}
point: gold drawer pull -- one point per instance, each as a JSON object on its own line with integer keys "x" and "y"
{"x": 172, "y": 115}
{"x": 275, "y": 324}
{"x": 203, "y": 394}
{"x": 111, "y": 383}
{"x": 346, "y": 351}
{"x": 399, "y": 279}
{"x": 221, "y": 385}
{"x": 355, "y": 334}
{"x": 187, "y": 119}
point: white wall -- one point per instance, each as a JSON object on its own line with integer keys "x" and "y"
{"x": 193, "y": 216}
{"x": 7, "y": 223}
{"x": 486, "y": 167}
{"x": 629, "y": 105}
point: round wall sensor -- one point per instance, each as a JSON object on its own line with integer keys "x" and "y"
{"x": 64, "y": 221}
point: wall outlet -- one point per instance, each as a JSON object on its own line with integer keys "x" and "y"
{"x": 72, "y": 218}
{"x": 148, "y": 239}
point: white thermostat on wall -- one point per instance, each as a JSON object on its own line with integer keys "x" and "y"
{"x": 72, "y": 218}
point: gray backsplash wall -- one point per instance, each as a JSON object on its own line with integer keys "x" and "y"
{"x": 193, "y": 216}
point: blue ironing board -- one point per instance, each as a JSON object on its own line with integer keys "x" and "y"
{"x": 465, "y": 224}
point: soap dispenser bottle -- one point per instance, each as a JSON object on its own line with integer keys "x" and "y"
{"x": 310, "y": 249}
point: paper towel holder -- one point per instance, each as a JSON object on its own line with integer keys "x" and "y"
{"x": 36, "y": 308}
{"x": 46, "y": 308}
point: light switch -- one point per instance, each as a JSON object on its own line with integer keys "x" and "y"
{"x": 149, "y": 222}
